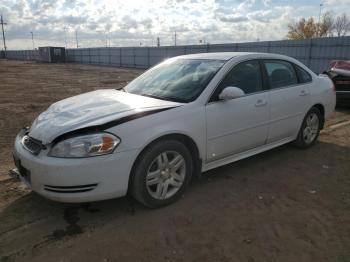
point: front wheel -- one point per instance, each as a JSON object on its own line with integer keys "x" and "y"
{"x": 310, "y": 129}
{"x": 161, "y": 173}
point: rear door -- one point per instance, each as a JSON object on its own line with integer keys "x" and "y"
{"x": 289, "y": 98}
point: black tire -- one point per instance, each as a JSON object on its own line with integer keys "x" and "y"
{"x": 301, "y": 141}
{"x": 138, "y": 187}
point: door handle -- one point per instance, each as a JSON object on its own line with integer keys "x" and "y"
{"x": 260, "y": 102}
{"x": 303, "y": 92}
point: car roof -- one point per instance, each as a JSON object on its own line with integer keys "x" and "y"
{"x": 225, "y": 56}
{"x": 229, "y": 55}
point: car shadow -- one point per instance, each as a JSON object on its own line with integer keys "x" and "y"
{"x": 32, "y": 222}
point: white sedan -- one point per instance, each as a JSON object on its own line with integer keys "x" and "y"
{"x": 184, "y": 116}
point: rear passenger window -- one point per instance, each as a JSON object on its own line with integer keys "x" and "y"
{"x": 280, "y": 73}
{"x": 304, "y": 77}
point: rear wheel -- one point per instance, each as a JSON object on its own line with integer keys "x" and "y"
{"x": 310, "y": 129}
{"x": 161, "y": 173}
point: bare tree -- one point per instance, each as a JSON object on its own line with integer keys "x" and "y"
{"x": 303, "y": 29}
{"x": 342, "y": 25}
{"x": 329, "y": 24}
{"x": 326, "y": 25}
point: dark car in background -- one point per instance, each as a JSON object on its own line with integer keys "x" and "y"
{"x": 340, "y": 75}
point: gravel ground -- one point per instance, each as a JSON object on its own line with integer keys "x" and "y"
{"x": 282, "y": 205}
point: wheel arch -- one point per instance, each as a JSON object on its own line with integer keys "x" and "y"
{"x": 321, "y": 108}
{"x": 185, "y": 139}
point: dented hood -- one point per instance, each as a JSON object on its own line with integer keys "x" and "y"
{"x": 90, "y": 109}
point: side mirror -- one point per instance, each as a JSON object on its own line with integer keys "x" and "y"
{"x": 231, "y": 92}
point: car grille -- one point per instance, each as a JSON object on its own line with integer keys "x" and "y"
{"x": 70, "y": 189}
{"x": 32, "y": 145}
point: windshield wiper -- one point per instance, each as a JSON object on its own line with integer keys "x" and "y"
{"x": 153, "y": 96}
{"x": 172, "y": 99}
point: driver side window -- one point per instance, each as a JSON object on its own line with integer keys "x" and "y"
{"x": 246, "y": 76}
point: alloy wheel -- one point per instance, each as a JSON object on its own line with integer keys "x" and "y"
{"x": 166, "y": 175}
{"x": 311, "y": 128}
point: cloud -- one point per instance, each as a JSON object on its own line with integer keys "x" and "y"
{"x": 263, "y": 16}
{"x": 339, "y": 2}
{"x": 233, "y": 18}
{"x": 127, "y": 23}
{"x": 266, "y": 2}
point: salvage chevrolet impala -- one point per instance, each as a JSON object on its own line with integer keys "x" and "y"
{"x": 186, "y": 115}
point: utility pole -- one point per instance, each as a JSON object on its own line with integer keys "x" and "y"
{"x": 158, "y": 42}
{"x": 319, "y": 18}
{"x": 65, "y": 37}
{"x": 76, "y": 37}
{"x": 3, "y": 32}
{"x": 33, "y": 40}
{"x": 175, "y": 38}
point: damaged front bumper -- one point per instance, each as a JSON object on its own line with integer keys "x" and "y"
{"x": 74, "y": 180}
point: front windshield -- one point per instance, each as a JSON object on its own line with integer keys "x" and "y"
{"x": 180, "y": 80}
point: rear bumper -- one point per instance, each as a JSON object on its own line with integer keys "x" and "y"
{"x": 75, "y": 180}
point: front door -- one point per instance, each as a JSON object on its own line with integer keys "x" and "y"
{"x": 240, "y": 124}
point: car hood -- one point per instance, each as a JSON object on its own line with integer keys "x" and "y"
{"x": 91, "y": 109}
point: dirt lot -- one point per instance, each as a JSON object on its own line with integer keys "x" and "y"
{"x": 282, "y": 205}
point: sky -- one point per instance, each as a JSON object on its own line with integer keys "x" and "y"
{"x": 135, "y": 22}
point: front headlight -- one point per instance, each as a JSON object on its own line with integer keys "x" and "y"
{"x": 85, "y": 146}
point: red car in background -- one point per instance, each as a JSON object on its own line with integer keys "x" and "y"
{"x": 340, "y": 75}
